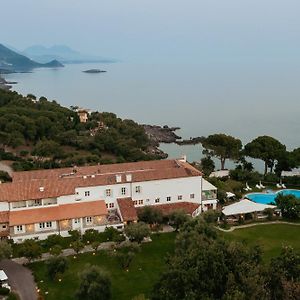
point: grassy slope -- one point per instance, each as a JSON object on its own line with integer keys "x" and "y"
{"x": 143, "y": 273}
{"x": 270, "y": 237}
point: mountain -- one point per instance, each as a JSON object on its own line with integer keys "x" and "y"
{"x": 61, "y": 53}
{"x": 13, "y": 61}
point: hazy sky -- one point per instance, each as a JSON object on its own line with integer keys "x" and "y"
{"x": 156, "y": 30}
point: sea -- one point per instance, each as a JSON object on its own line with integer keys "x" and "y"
{"x": 242, "y": 99}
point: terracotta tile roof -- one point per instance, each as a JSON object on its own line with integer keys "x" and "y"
{"x": 166, "y": 209}
{"x": 57, "y": 213}
{"x": 56, "y": 182}
{"x": 127, "y": 209}
{"x": 4, "y": 216}
{"x": 135, "y": 168}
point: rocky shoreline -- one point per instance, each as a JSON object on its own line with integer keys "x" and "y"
{"x": 160, "y": 134}
{"x": 4, "y": 84}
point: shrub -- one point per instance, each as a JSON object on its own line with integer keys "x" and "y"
{"x": 4, "y": 291}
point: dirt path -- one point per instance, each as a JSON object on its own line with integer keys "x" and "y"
{"x": 255, "y": 224}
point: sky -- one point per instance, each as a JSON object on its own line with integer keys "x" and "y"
{"x": 158, "y": 30}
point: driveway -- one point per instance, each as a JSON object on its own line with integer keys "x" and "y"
{"x": 20, "y": 279}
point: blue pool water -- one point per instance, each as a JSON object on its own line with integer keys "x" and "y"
{"x": 268, "y": 198}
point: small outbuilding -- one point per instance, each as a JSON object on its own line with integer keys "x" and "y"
{"x": 235, "y": 211}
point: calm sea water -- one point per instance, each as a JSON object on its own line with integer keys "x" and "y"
{"x": 242, "y": 99}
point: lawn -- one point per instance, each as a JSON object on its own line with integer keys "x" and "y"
{"x": 143, "y": 272}
{"x": 270, "y": 237}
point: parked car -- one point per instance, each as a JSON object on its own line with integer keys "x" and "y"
{"x": 4, "y": 280}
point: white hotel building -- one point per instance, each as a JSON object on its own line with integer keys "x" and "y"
{"x": 44, "y": 202}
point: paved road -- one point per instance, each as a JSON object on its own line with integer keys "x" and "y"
{"x": 20, "y": 279}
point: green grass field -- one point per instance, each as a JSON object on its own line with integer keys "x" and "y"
{"x": 149, "y": 263}
{"x": 143, "y": 272}
{"x": 270, "y": 237}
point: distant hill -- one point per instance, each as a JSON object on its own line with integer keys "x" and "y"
{"x": 13, "y": 61}
{"x": 61, "y": 53}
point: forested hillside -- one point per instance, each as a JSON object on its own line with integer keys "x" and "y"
{"x": 43, "y": 134}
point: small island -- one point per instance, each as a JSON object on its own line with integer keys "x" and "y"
{"x": 94, "y": 71}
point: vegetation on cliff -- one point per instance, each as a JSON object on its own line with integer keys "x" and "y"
{"x": 43, "y": 134}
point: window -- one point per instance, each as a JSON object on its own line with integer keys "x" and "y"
{"x": 168, "y": 199}
{"x": 157, "y": 200}
{"x": 19, "y": 228}
{"x": 138, "y": 189}
{"x": 42, "y": 225}
{"x": 192, "y": 196}
{"x": 89, "y": 220}
{"x": 86, "y": 193}
{"x": 108, "y": 192}
{"x": 123, "y": 190}
{"x": 77, "y": 221}
{"x": 111, "y": 205}
{"x": 3, "y": 226}
{"x": 141, "y": 202}
{"x": 135, "y": 202}
{"x": 179, "y": 197}
{"x": 48, "y": 224}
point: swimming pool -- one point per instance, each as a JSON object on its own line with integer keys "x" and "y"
{"x": 268, "y": 198}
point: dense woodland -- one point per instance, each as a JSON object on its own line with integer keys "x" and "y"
{"x": 42, "y": 134}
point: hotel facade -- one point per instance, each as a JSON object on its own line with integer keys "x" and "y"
{"x": 39, "y": 203}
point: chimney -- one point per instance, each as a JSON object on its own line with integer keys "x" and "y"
{"x": 182, "y": 158}
{"x": 128, "y": 177}
{"x": 41, "y": 188}
{"x": 118, "y": 178}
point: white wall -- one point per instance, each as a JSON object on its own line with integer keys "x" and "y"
{"x": 4, "y": 206}
{"x": 149, "y": 190}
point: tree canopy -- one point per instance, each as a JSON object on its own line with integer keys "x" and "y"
{"x": 94, "y": 284}
{"x": 222, "y": 146}
{"x": 53, "y": 136}
{"x": 205, "y": 266}
{"x": 267, "y": 149}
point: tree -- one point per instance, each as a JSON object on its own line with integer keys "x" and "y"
{"x": 75, "y": 234}
{"x": 207, "y": 165}
{"x": 56, "y": 265}
{"x": 204, "y": 266}
{"x": 77, "y": 246}
{"x": 90, "y": 235}
{"x": 284, "y": 275}
{"x": 267, "y": 149}
{"x": 178, "y": 218}
{"x": 137, "y": 231}
{"x": 222, "y": 146}
{"x": 289, "y": 206}
{"x": 31, "y": 250}
{"x": 5, "y": 250}
{"x": 95, "y": 245}
{"x": 150, "y": 215}
{"x": 94, "y": 284}
{"x": 56, "y": 250}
